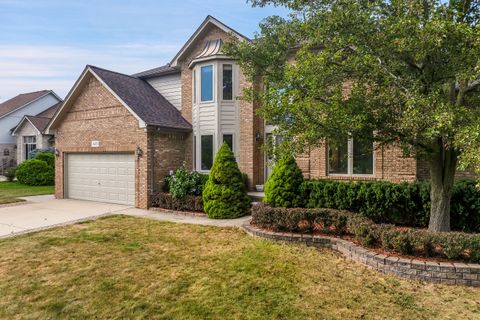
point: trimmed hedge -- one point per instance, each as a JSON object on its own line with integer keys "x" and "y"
{"x": 35, "y": 172}
{"x": 451, "y": 245}
{"x": 401, "y": 204}
{"x": 186, "y": 203}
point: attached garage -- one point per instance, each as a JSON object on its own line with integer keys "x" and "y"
{"x": 116, "y": 138}
{"x": 104, "y": 177}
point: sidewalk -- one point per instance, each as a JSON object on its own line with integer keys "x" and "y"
{"x": 183, "y": 218}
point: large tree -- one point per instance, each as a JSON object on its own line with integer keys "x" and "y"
{"x": 406, "y": 70}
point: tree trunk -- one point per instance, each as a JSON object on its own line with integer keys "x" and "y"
{"x": 442, "y": 174}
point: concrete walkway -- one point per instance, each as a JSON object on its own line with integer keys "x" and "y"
{"x": 183, "y": 218}
{"x": 43, "y": 212}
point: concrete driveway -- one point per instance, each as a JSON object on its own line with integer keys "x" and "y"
{"x": 44, "y": 212}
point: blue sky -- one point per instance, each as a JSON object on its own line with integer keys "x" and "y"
{"x": 46, "y": 44}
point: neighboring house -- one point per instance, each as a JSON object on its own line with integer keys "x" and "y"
{"x": 117, "y": 136}
{"x": 11, "y": 112}
{"x": 30, "y": 133}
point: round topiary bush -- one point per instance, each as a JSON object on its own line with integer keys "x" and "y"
{"x": 224, "y": 195}
{"x": 35, "y": 173}
{"x": 283, "y": 186}
{"x": 48, "y": 157}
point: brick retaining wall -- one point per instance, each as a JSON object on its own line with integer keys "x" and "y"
{"x": 431, "y": 271}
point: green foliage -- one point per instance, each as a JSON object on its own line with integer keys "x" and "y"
{"x": 402, "y": 204}
{"x": 224, "y": 195}
{"x": 182, "y": 183}
{"x": 283, "y": 186}
{"x": 10, "y": 173}
{"x": 35, "y": 172}
{"x": 450, "y": 245}
{"x": 46, "y": 156}
{"x": 411, "y": 67}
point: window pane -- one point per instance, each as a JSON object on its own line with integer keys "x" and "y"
{"x": 338, "y": 158}
{"x": 227, "y": 82}
{"x": 207, "y": 83}
{"x": 207, "y": 152}
{"x": 194, "y": 153}
{"x": 228, "y": 139}
{"x": 362, "y": 156}
{"x": 194, "y": 86}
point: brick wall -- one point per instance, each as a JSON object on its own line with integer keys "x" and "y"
{"x": 389, "y": 164}
{"x": 97, "y": 115}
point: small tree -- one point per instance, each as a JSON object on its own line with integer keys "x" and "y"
{"x": 283, "y": 187}
{"x": 224, "y": 195}
{"x": 35, "y": 172}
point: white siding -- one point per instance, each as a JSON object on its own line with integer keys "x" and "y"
{"x": 170, "y": 86}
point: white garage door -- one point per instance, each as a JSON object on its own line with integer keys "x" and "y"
{"x": 101, "y": 177}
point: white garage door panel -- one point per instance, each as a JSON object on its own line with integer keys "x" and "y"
{"x": 101, "y": 177}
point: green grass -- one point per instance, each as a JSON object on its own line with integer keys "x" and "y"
{"x": 10, "y": 191}
{"x": 132, "y": 268}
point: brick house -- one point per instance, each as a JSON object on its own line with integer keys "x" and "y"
{"x": 117, "y": 136}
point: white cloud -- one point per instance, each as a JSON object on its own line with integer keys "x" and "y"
{"x": 26, "y": 68}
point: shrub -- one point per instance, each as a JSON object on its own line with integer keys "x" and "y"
{"x": 224, "y": 195}
{"x": 451, "y": 245}
{"x": 46, "y": 156}
{"x": 183, "y": 183}
{"x": 186, "y": 203}
{"x": 283, "y": 186}
{"x": 10, "y": 173}
{"x": 401, "y": 204}
{"x": 35, "y": 172}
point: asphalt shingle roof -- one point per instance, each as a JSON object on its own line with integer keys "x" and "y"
{"x": 156, "y": 72}
{"x": 19, "y": 101}
{"x": 146, "y": 102}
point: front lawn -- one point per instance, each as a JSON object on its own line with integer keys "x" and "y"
{"x": 10, "y": 191}
{"x": 124, "y": 267}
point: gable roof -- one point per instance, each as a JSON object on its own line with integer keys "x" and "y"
{"x": 22, "y": 100}
{"x": 40, "y": 121}
{"x": 138, "y": 96}
{"x": 209, "y": 20}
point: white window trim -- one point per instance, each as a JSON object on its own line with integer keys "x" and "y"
{"x": 214, "y": 82}
{"x": 350, "y": 163}
{"x": 199, "y": 148}
{"x": 220, "y": 83}
{"x": 234, "y": 145}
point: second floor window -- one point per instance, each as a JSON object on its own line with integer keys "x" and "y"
{"x": 227, "y": 86}
{"x": 206, "y": 83}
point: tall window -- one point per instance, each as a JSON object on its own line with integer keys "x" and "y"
{"x": 194, "y": 152}
{"x": 206, "y": 152}
{"x": 30, "y": 144}
{"x": 228, "y": 139}
{"x": 194, "y": 86}
{"x": 206, "y": 83}
{"x": 354, "y": 156}
{"x": 227, "y": 76}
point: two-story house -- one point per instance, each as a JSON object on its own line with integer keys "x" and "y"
{"x": 12, "y": 112}
{"x": 117, "y": 136}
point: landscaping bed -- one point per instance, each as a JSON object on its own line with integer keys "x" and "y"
{"x": 404, "y": 241}
{"x": 152, "y": 269}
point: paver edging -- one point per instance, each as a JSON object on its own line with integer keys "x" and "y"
{"x": 465, "y": 274}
